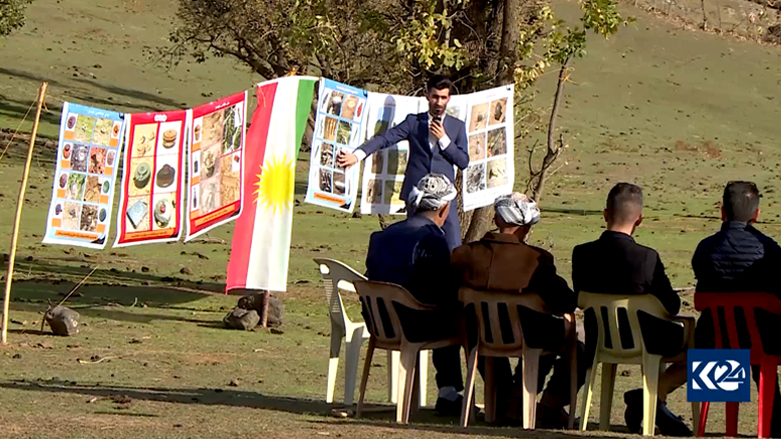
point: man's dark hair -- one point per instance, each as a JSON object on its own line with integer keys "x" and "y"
{"x": 624, "y": 203}
{"x": 741, "y": 201}
{"x": 439, "y": 82}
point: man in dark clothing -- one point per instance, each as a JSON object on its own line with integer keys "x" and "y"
{"x": 616, "y": 264}
{"x": 414, "y": 253}
{"x": 739, "y": 258}
{"x": 503, "y": 262}
{"x": 437, "y": 144}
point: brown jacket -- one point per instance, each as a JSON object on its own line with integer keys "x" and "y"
{"x": 501, "y": 262}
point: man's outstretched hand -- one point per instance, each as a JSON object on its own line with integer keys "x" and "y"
{"x": 346, "y": 159}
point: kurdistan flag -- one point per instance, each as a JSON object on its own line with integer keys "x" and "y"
{"x": 261, "y": 241}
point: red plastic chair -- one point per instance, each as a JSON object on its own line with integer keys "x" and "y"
{"x": 768, "y": 363}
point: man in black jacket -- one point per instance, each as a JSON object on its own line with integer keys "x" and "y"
{"x": 739, "y": 258}
{"x": 616, "y": 264}
{"x": 414, "y": 253}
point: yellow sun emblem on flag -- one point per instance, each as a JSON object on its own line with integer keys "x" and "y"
{"x": 275, "y": 184}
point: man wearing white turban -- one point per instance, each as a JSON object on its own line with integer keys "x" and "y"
{"x": 503, "y": 262}
{"x": 414, "y": 253}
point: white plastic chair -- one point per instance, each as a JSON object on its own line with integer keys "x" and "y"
{"x": 606, "y": 310}
{"x": 338, "y": 276}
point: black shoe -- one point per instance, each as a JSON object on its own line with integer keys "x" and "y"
{"x": 633, "y": 415}
{"x": 666, "y": 421}
{"x": 446, "y": 407}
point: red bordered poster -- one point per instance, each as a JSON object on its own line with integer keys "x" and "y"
{"x": 153, "y": 185}
{"x": 216, "y": 163}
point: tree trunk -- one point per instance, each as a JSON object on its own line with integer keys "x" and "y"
{"x": 476, "y": 223}
{"x": 553, "y": 150}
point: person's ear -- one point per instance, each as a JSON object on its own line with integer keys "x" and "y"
{"x": 639, "y": 220}
{"x": 756, "y": 216}
{"x": 606, "y": 216}
{"x": 723, "y": 214}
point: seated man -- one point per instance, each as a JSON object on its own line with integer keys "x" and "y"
{"x": 616, "y": 264}
{"x": 414, "y": 254}
{"x": 739, "y": 258}
{"x": 504, "y": 262}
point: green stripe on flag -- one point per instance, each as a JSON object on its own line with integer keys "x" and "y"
{"x": 306, "y": 92}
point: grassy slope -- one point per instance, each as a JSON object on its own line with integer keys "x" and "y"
{"x": 630, "y": 102}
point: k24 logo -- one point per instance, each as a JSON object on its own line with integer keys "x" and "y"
{"x": 718, "y": 375}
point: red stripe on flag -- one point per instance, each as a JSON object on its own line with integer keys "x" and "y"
{"x": 238, "y": 266}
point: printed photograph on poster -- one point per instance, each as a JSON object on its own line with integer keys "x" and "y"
{"x": 89, "y": 148}
{"x": 217, "y": 134}
{"x": 491, "y": 170}
{"x": 339, "y": 125}
{"x": 152, "y": 187}
{"x": 383, "y": 171}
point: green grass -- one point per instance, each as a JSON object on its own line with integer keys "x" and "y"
{"x": 678, "y": 112}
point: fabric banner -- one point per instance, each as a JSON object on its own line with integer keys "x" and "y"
{"x": 489, "y": 127}
{"x": 216, "y": 163}
{"x": 383, "y": 171}
{"x": 152, "y": 188}
{"x": 261, "y": 241}
{"x": 85, "y": 173}
{"x": 338, "y": 126}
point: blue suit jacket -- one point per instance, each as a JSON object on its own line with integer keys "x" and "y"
{"x": 423, "y": 159}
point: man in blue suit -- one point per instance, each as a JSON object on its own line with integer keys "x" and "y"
{"x": 437, "y": 144}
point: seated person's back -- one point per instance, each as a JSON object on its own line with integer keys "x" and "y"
{"x": 739, "y": 258}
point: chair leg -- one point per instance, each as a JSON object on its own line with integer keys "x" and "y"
{"x": 423, "y": 378}
{"x": 367, "y": 365}
{"x": 733, "y": 408}
{"x": 489, "y": 398}
{"x": 409, "y": 356}
{"x": 651, "y": 366}
{"x": 353, "y": 357}
{"x": 333, "y": 363}
{"x": 394, "y": 358}
{"x": 695, "y": 415}
{"x": 469, "y": 391}
{"x": 588, "y": 393}
{"x": 531, "y": 368}
{"x": 767, "y": 390}
{"x": 703, "y": 419}
{"x": 573, "y": 383}
{"x": 606, "y": 397}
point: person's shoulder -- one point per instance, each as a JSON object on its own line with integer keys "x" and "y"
{"x": 544, "y": 254}
{"x": 650, "y": 251}
{"x": 586, "y": 246}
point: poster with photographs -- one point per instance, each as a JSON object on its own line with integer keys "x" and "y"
{"x": 338, "y": 126}
{"x": 152, "y": 188}
{"x": 86, "y": 167}
{"x": 383, "y": 171}
{"x": 217, "y": 133}
{"x": 489, "y": 127}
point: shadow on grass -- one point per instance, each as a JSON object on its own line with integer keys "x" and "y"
{"x": 235, "y": 398}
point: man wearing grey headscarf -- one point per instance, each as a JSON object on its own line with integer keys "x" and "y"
{"x": 414, "y": 253}
{"x": 503, "y": 262}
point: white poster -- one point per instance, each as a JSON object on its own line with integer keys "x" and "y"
{"x": 489, "y": 127}
{"x": 383, "y": 171}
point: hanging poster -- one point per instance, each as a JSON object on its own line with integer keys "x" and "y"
{"x": 86, "y": 168}
{"x": 152, "y": 188}
{"x": 383, "y": 172}
{"x": 490, "y": 133}
{"x": 338, "y": 126}
{"x": 216, "y": 163}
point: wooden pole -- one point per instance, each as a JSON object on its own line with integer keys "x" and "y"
{"x": 18, "y": 219}
{"x": 266, "y": 303}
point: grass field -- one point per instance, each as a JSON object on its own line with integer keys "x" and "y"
{"x": 678, "y": 112}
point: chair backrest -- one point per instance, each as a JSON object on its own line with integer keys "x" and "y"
{"x": 337, "y": 276}
{"x": 492, "y": 309}
{"x": 619, "y": 338}
{"x": 379, "y": 300}
{"x": 728, "y": 308}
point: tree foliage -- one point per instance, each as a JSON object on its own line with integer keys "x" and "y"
{"x": 12, "y": 15}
